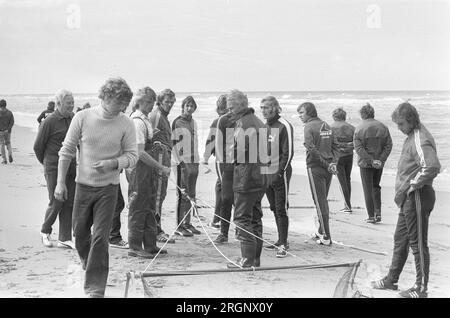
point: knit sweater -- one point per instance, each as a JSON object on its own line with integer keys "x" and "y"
{"x": 101, "y": 137}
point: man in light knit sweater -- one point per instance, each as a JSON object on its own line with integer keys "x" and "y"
{"x": 107, "y": 140}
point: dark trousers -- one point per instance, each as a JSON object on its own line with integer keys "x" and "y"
{"x": 187, "y": 174}
{"x": 319, "y": 181}
{"x": 142, "y": 229}
{"x": 94, "y": 207}
{"x": 412, "y": 231}
{"x": 56, "y": 208}
{"x": 344, "y": 167}
{"x": 370, "y": 178}
{"x": 115, "y": 236}
{"x": 248, "y": 216}
{"x": 277, "y": 195}
{"x": 227, "y": 199}
{"x": 163, "y": 156}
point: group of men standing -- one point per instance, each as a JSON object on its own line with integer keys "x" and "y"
{"x": 253, "y": 159}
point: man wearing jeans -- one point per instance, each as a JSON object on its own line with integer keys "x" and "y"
{"x": 107, "y": 140}
{"x": 48, "y": 142}
{"x": 6, "y": 124}
{"x": 373, "y": 144}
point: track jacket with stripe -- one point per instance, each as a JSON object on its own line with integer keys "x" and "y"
{"x": 418, "y": 164}
{"x": 280, "y": 132}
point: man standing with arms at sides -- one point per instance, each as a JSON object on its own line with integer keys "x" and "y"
{"x": 107, "y": 140}
{"x": 6, "y": 124}
{"x": 343, "y": 133}
{"x": 48, "y": 142}
{"x": 210, "y": 150}
{"x": 248, "y": 179}
{"x": 373, "y": 144}
{"x": 162, "y": 152}
{"x": 141, "y": 215}
{"x": 280, "y": 133}
{"x": 321, "y": 158}
{"x": 414, "y": 195}
{"x": 50, "y": 109}
{"x": 185, "y": 151}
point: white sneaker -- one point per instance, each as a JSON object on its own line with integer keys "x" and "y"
{"x": 322, "y": 241}
{"x": 66, "y": 244}
{"x": 46, "y": 240}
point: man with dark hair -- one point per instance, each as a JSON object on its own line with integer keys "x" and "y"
{"x": 162, "y": 152}
{"x": 107, "y": 140}
{"x": 248, "y": 179}
{"x": 321, "y": 158}
{"x": 185, "y": 151}
{"x": 373, "y": 144}
{"x": 6, "y": 124}
{"x": 50, "y": 109}
{"x": 281, "y": 142}
{"x": 414, "y": 195}
{"x": 343, "y": 133}
{"x": 221, "y": 109}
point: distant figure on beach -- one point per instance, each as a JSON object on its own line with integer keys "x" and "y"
{"x": 51, "y": 134}
{"x": 50, "y": 109}
{"x": 186, "y": 157}
{"x": 107, "y": 140}
{"x": 6, "y": 124}
{"x": 210, "y": 150}
{"x": 280, "y": 133}
{"x": 343, "y": 133}
{"x": 414, "y": 195}
{"x": 162, "y": 152}
{"x": 85, "y": 106}
{"x": 248, "y": 180}
{"x": 321, "y": 162}
{"x": 373, "y": 144}
{"x": 142, "y": 225}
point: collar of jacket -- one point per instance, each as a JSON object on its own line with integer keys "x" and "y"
{"x": 163, "y": 111}
{"x": 312, "y": 119}
{"x": 272, "y": 120}
{"x": 60, "y": 116}
{"x": 187, "y": 117}
{"x": 244, "y": 112}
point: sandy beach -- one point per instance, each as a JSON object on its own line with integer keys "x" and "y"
{"x": 28, "y": 269}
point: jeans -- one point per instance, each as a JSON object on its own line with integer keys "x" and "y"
{"x": 115, "y": 236}
{"x": 412, "y": 231}
{"x": 94, "y": 207}
{"x": 370, "y": 178}
{"x": 187, "y": 174}
{"x": 5, "y": 139}
{"x": 56, "y": 208}
{"x": 319, "y": 181}
{"x": 344, "y": 167}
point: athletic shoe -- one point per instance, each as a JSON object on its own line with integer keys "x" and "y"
{"x": 378, "y": 219}
{"x": 4, "y": 162}
{"x": 192, "y": 229}
{"x": 163, "y": 238}
{"x": 282, "y": 251}
{"x": 46, "y": 240}
{"x": 183, "y": 232}
{"x": 345, "y": 210}
{"x": 272, "y": 247}
{"x": 322, "y": 241}
{"x": 119, "y": 244}
{"x": 66, "y": 244}
{"x": 214, "y": 225}
{"x": 384, "y": 283}
{"x": 156, "y": 250}
{"x": 141, "y": 254}
{"x": 221, "y": 239}
{"x": 371, "y": 220}
{"x": 414, "y": 292}
{"x": 316, "y": 236}
{"x": 10, "y": 158}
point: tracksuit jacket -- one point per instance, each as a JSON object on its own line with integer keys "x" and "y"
{"x": 185, "y": 127}
{"x": 161, "y": 127}
{"x": 343, "y": 134}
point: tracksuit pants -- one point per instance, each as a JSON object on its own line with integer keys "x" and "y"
{"x": 344, "y": 167}
{"x": 94, "y": 207}
{"x": 412, "y": 231}
{"x": 320, "y": 181}
{"x": 227, "y": 200}
{"x": 218, "y": 194}
{"x": 370, "y": 178}
{"x": 115, "y": 235}
{"x": 277, "y": 195}
{"x": 187, "y": 174}
{"x": 248, "y": 216}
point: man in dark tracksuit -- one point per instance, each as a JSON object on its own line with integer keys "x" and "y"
{"x": 248, "y": 180}
{"x": 343, "y": 133}
{"x": 209, "y": 151}
{"x": 281, "y": 150}
{"x": 321, "y": 157}
{"x": 414, "y": 195}
{"x": 185, "y": 151}
{"x": 162, "y": 149}
{"x": 373, "y": 144}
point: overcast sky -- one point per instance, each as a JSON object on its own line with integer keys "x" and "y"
{"x": 216, "y": 45}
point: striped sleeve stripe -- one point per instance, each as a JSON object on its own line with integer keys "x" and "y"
{"x": 420, "y": 153}
{"x": 289, "y": 130}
